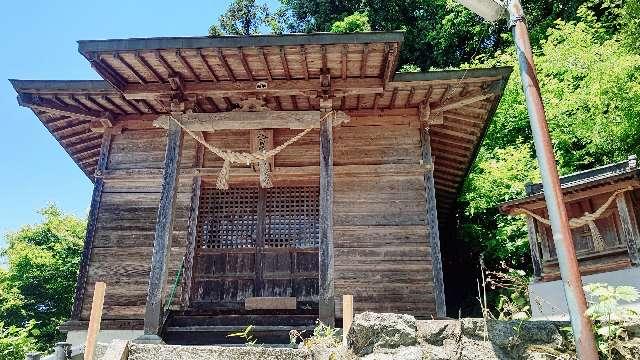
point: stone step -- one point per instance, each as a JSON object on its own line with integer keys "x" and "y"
{"x": 173, "y": 352}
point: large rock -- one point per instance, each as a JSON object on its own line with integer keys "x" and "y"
{"x": 436, "y": 332}
{"x": 510, "y": 334}
{"x": 373, "y": 331}
{"x": 404, "y": 353}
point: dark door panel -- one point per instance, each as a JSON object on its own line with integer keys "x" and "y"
{"x": 256, "y": 242}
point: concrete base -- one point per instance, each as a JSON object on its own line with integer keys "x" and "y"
{"x": 79, "y": 337}
{"x": 549, "y": 303}
{"x": 148, "y": 339}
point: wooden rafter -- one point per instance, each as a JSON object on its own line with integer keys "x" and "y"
{"x": 84, "y": 131}
{"x": 113, "y": 104}
{"x": 142, "y": 61}
{"x": 163, "y": 62}
{"x": 187, "y": 66}
{"x": 132, "y": 104}
{"x": 77, "y": 102}
{"x": 57, "y": 120}
{"x": 95, "y": 103}
{"x": 265, "y": 63}
{"x": 207, "y": 66}
{"x": 212, "y": 104}
{"x": 323, "y": 55}
{"x": 363, "y": 63}
{"x": 394, "y": 95}
{"x": 285, "y": 63}
{"x": 52, "y": 107}
{"x": 305, "y": 63}
{"x": 245, "y": 64}
{"x": 343, "y": 71}
{"x": 107, "y": 73}
{"x": 129, "y": 67}
{"x": 224, "y": 63}
{"x": 410, "y": 97}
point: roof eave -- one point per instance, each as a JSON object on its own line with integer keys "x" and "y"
{"x": 110, "y": 45}
{"x": 21, "y": 86}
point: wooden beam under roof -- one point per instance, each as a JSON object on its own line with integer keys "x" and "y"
{"x": 222, "y": 88}
{"x": 458, "y": 103}
{"x": 249, "y": 120}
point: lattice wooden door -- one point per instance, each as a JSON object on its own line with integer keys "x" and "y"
{"x": 256, "y": 242}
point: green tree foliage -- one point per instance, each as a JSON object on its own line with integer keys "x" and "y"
{"x": 358, "y": 21}
{"x": 246, "y": 17}
{"x": 38, "y": 284}
{"x": 17, "y": 341}
{"x": 439, "y": 33}
{"x": 590, "y": 85}
{"x": 498, "y": 175}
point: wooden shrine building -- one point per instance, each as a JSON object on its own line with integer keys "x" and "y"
{"x": 603, "y": 206}
{"x": 263, "y": 176}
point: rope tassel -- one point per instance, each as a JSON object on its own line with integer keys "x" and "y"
{"x": 232, "y": 157}
{"x": 587, "y": 219}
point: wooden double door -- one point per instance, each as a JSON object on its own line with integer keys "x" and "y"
{"x": 254, "y": 242}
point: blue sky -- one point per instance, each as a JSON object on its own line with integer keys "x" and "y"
{"x": 39, "y": 42}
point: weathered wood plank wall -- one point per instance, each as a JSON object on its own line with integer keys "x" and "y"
{"x": 382, "y": 255}
{"x": 123, "y": 242}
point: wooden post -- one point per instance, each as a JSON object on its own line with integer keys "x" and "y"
{"x": 163, "y": 233}
{"x": 432, "y": 225}
{"x": 544, "y": 242}
{"x": 196, "y": 188}
{"x": 533, "y": 246}
{"x": 347, "y": 316}
{"x": 96, "y": 197}
{"x": 94, "y": 320}
{"x": 327, "y": 307}
{"x": 629, "y": 226}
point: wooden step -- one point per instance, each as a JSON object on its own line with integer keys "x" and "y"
{"x": 214, "y": 329}
{"x": 211, "y": 335}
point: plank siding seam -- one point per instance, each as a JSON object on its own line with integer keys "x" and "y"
{"x": 96, "y": 197}
{"x": 432, "y": 225}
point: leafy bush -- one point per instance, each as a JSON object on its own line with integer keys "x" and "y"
{"x": 39, "y": 282}
{"x": 513, "y": 292}
{"x": 16, "y": 342}
{"x": 607, "y": 314}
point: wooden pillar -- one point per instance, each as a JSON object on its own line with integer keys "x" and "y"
{"x": 629, "y": 226}
{"x": 533, "y": 246}
{"x": 196, "y": 187}
{"x": 544, "y": 243}
{"x": 433, "y": 233}
{"x": 327, "y": 308}
{"x": 96, "y": 197}
{"x": 163, "y": 233}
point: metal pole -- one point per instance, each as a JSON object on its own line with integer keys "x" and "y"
{"x": 569, "y": 271}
